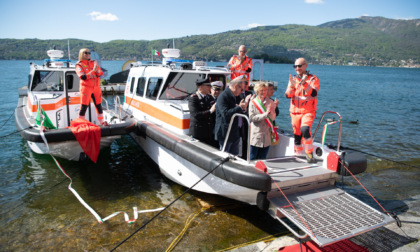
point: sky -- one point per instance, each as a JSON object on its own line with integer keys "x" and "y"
{"x": 106, "y": 20}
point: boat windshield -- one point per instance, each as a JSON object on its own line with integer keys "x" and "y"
{"x": 180, "y": 85}
{"x": 47, "y": 81}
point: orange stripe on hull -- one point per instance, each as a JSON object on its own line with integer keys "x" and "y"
{"x": 54, "y": 106}
{"x": 159, "y": 114}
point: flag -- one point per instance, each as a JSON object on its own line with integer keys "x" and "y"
{"x": 47, "y": 122}
{"x": 155, "y": 52}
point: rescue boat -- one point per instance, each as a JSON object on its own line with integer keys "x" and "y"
{"x": 53, "y": 96}
{"x": 284, "y": 184}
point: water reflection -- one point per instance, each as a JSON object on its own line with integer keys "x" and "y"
{"x": 50, "y": 217}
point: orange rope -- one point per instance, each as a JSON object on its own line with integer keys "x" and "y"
{"x": 293, "y": 208}
{"x": 363, "y": 186}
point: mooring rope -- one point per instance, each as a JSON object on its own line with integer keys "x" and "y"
{"x": 17, "y": 131}
{"x": 373, "y": 155}
{"x": 391, "y": 214}
{"x": 170, "y": 204}
{"x": 9, "y": 117}
{"x": 90, "y": 209}
{"x": 184, "y": 230}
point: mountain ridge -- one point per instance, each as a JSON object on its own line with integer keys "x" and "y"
{"x": 371, "y": 41}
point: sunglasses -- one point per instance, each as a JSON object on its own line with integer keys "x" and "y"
{"x": 242, "y": 51}
{"x": 298, "y": 66}
{"x": 86, "y": 52}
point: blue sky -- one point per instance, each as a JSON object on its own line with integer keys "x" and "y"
{"x": 105, "y": 20}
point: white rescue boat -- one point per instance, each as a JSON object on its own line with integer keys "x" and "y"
{"x": 284, "y": 184}
{"x": 53, "y": 93}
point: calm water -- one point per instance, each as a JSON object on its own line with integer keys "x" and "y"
{"x": 38, "y": 212}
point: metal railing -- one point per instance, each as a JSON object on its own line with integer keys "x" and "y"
{"x": 230, "y": 127}
{"x": 339, "y": 130}
{"x": 117, "y": 103}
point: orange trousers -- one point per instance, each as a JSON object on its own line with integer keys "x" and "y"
{"x": 299, "y": 122}
{"x": 86, "y": 92}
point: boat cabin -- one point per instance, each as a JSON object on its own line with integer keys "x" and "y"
{"x": 160, "y": 93}
{"x": 55, "y": 86}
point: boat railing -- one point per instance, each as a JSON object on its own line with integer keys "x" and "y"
{"x": 339, "y": 130}
{"x": 230, "y": 127}
{"x": 117, "y": 103}
{"x": 206, "y": 68}
{"x": 106, "y": 104}
{"x": 38, "y": 104}
{"x": 174, "y": 66}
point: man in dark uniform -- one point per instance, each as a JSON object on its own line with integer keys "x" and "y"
{"x": 202, "y": 113}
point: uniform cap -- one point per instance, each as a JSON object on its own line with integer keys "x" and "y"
{"x": 217, "y": 84}
{"x": 202, "y": 82}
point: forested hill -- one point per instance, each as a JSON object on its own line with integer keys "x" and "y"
{"x": 373, "y": 41}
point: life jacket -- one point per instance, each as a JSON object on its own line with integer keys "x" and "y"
{"x": 239, "y": 69}
{"x": 85, "y": 67}
{"x": 301, "y": 99}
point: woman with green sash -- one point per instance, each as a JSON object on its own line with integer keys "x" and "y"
{"x": 262, "y": 115}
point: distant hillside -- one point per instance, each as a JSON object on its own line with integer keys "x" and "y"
{"x": 373, "y": 41}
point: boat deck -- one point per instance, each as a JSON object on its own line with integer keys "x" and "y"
{"x": 294, "y": 170}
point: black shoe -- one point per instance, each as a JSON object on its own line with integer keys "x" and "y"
{"x": 310, "y": 158}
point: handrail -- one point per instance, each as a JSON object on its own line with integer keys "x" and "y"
{"x": 177, "y": 106}
{"x": 339, "y": 130}
{"x": 117, "y": 103}
{"x": 38, "y": 104}
{"x": 106, "y": 103}
{"x": 230, "y": 127}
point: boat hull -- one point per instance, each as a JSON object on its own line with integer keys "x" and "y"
{"x": 70, "y": 150}
{"x": 186, "y": 161}
{"x": 186, "y": 173}
{"x": 62, "y": 142}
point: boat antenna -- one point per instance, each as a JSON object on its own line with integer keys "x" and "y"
{"x": 173, "y": 41}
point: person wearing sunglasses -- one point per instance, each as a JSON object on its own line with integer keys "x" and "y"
{"x": 302, "y": 91}
{"x": 240, "y": 65}
{"x": 89, "y": 73}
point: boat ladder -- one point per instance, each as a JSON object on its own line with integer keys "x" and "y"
{"x": 326, "y": 215}
{"x": 306, "y": 195}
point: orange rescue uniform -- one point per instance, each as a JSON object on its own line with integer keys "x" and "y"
{"x": 239, "y": 68}
{"x": 90, "y": 85}
{"x": 303, "y": 101}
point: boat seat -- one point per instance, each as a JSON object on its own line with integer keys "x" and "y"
{"x": 292, "y": 171}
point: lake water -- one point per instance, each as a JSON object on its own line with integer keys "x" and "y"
{"x": 38, "y": 212}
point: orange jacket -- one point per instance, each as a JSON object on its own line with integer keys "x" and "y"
{"x": 303, "y": 98}
{"x": 85, "y": 67}
{"x": 239, "y": 69}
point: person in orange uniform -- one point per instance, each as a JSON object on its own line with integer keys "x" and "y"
{"x": 240, "y": 65}
{"x": 303, "y": 90}
{"x": 89, "y": 73}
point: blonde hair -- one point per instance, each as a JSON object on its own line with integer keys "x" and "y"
{"x": 81, "y": 52}
{"x": 260, "y": 85}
